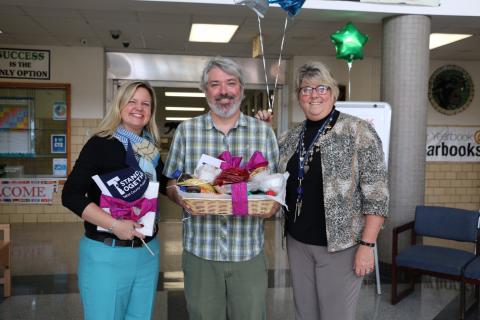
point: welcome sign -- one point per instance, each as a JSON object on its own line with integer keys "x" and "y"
{"x": 27, "y": 191}
{"x": 458, "y": 144}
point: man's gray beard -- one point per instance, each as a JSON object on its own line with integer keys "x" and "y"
{"x": 220, "y": 111}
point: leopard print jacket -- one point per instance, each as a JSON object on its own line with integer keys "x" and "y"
{"x": 355, "y": 181}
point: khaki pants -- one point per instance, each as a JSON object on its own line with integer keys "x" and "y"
{"x": 215, "y": 289}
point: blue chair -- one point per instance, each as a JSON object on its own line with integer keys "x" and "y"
{"x": 437, "y": 261}
{"x": 471, "y": 275}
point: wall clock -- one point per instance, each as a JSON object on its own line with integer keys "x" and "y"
{"x": 450, "y": 89}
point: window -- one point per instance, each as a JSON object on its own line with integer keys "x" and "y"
{"x": 34, "y": 129}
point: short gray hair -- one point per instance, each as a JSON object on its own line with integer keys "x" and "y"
{"x": 317, "y": 71}
{"x": 226, "y": 65}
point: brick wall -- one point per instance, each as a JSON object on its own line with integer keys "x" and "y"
{"x": 453, "y": 184}
{"x": 81, "y": 131}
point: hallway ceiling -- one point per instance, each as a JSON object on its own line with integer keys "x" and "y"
{"x": 163, "y": 27}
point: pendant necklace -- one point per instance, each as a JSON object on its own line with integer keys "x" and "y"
{"x": 305, "y": 156}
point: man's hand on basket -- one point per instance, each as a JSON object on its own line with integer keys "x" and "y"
{"x": 175, "y": 197}
{"x": 275, "y": 208}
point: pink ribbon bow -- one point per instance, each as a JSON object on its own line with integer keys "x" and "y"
{"x": 239, "y": 190}
{"x": 257, "y": 160}
{"x": 121, "y": 209}
{"x": 229, "y": 161}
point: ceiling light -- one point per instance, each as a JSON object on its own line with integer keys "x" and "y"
{"x": 1, "y": 31}
{"x": 177, "y": 118}
{"x": 220, "y": 33}
{"x": 184, "y": 109}
{"x": 185, "y": 94}
{"x": 441, "y": 39}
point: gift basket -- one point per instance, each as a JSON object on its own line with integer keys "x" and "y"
{"x": 222, "y": 186}
{"x": 222, "y": 204}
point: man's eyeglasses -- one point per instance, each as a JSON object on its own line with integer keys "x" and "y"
{"x": 308, "y": 91}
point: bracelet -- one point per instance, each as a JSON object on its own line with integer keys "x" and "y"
{"x": 368, "y": 244}
{"x": 112, "y": 226}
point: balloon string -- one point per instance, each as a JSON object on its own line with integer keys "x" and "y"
{"x": 279, "y": 62}
{"x": 263, "y": 59}
{"x": 349, "y": 84}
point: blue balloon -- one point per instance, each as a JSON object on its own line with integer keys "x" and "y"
{"x": 291, "y": 6}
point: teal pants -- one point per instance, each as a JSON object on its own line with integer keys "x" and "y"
{"x": 215, "y": 289}
{"x": 117, "y": 283}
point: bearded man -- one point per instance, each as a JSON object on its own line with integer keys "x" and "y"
{"x": 224, "y": 265}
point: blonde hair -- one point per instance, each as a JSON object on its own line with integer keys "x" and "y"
{"x": 113, "y": 118}
{"x": 317, "y": 71}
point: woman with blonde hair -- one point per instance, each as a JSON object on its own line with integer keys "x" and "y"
{"x": 117, "y": 273}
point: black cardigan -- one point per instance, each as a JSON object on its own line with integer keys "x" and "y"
{"x": 98, "y": 156}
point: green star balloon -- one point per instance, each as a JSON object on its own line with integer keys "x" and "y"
{"x": 349, "y": 42}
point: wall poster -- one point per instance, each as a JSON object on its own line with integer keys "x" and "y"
{"x": 455, "y": 144}
{"x": 58, "y": 143}
{"x": 15, "y": 123}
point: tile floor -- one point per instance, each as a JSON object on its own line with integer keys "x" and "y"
{"x": 45, "y": 286}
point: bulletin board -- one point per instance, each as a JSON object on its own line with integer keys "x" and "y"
{"x": 15, "y": 124}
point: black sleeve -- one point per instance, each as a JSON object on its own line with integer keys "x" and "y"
{"x": 161, "y": 178}
{"x": 76, "y": 191}
{"x": 98, "y": 156}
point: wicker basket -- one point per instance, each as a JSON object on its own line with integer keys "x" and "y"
{"x": 223, "y": 206}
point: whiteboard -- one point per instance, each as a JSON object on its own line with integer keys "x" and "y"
{"x": 379, "y": 114}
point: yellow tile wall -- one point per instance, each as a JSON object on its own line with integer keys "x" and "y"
{"x": 453, "y": 184}
{"x": 81, "y": 130}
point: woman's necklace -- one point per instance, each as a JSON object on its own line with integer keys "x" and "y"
{"x": 305, "y": 157}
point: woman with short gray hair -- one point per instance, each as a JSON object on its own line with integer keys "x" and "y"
{"x": 337, "y": 198}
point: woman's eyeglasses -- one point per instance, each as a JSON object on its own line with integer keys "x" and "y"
{"x": 308, "y": 91}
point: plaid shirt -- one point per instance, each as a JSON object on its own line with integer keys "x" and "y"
{"x": 215, "y": 237}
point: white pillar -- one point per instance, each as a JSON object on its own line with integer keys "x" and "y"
{"x": 404, "y": 85}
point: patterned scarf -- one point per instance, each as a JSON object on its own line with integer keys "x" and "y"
{"x": 145, "y": 151}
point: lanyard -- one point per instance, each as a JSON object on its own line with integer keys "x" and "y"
{"x": 303, "y": 158}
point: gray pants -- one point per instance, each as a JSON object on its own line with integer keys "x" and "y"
{"x": 325, "y": 286}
